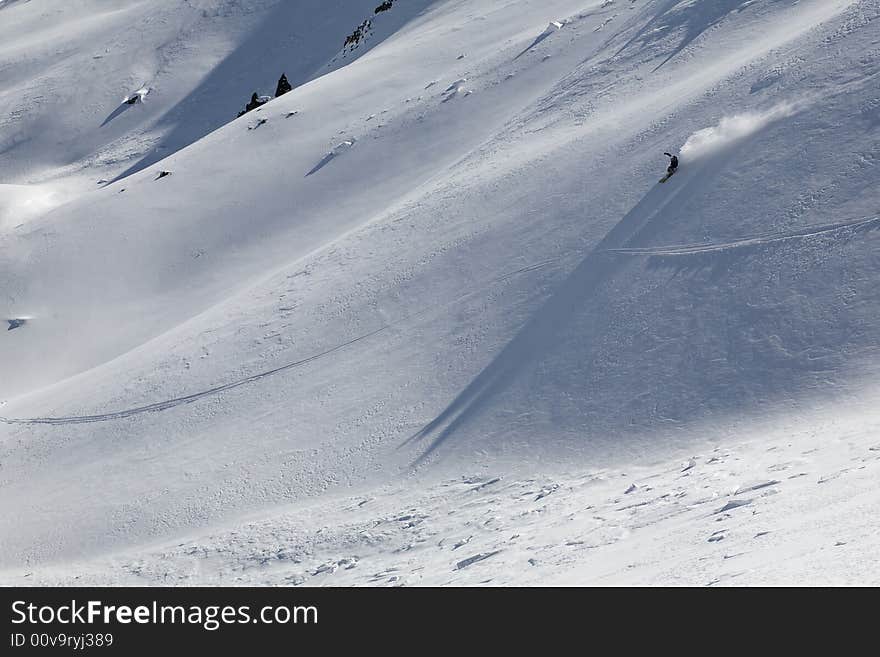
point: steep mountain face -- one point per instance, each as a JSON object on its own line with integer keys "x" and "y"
{"x": 447, "y": 247}
{"x": 67, "y": 64}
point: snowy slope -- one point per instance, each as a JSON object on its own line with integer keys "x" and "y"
{"x": 451, "y": 254}
{"x": 774, "y": 508}
{"x": 67, "y": 65}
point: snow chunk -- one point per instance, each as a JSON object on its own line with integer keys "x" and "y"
{"x": 136, "y": 96}
{"x": 454, "y": 89}
{"x": 16, "y": 323}
{"x": 733, "y": 504}
{"x": 456, "y": 86}
{"x": 474, "y": 559}
{"x": 756, "y": 486}
{"x": 332, "y": 154}
{"x": 343, "y": 146}
{"x": 552, "y": 28}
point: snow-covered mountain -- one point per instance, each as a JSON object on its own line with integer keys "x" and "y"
{"x": 430, "y": 317}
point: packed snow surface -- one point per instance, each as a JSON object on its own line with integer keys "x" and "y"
{"x": 429, "y": 318}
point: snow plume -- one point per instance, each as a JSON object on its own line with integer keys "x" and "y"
{"x": 731, "y": 129}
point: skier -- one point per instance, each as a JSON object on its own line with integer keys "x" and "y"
{"x": 283, "y": 86}
{"x": 673, "y": 164}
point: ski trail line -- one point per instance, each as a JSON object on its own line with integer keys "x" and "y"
{"x": 178, "y": 401}
{"x": 760, "y": 240}
{"x": 188, "y": 399}
{"x": 673, "y": 250}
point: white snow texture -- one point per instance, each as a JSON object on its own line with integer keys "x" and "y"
{"x": 430, "y": 318}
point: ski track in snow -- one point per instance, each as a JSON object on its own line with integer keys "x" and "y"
{"x": 681, "y": 250}
{"x": 761, "y": 240}
{"x": 188, "y": 399}
{"x": 665, "y": 251}
{"x": 194, "y": 397}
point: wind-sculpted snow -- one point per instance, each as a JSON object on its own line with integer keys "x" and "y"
{"x": 751, "y": 511}
{"x": 337, "y": 150}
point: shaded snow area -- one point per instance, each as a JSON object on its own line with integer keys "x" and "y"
{"x": 429, "y": 317}
{"x": 766, "y": 511}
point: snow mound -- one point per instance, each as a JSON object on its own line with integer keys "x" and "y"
{"x": 136, "y": 96}
{"x": 335, "y": 152}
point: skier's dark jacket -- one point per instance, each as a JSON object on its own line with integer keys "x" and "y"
{"x": 673, "y": 162}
